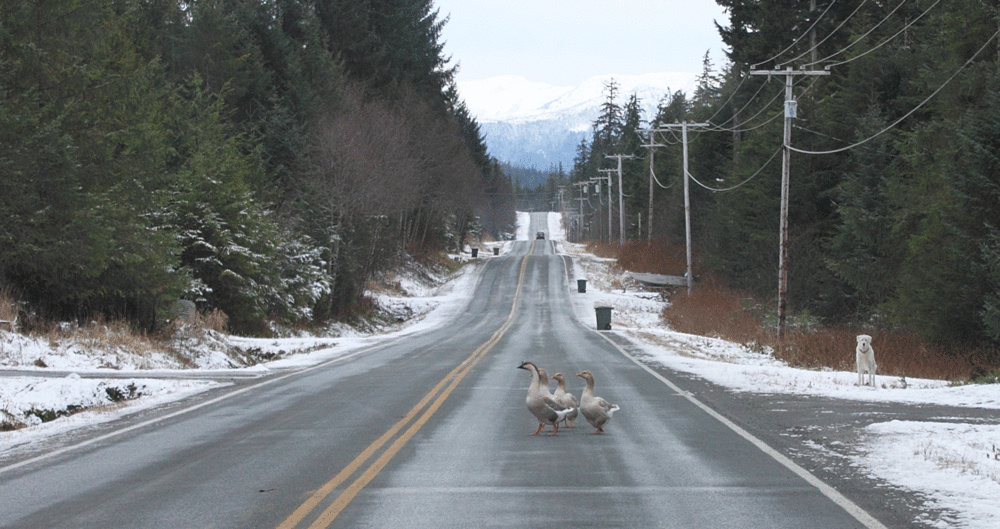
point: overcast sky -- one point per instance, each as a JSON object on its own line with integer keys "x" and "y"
{"x": 563, "y": 42}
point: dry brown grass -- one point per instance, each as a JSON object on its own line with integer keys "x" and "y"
{"x": 653, "y": 257}
{"x": 215, "y": 320}
{"x": 714, "y": 309}
{"x": 100, "y": 333}
{"x": 8, "y": 304}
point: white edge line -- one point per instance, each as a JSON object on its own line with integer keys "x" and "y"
{"x": 188, "y": 409}
{"x": 852, "y": 508}
{"x": 220, "y": 398}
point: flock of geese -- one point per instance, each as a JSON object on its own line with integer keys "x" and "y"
{"x": 562, "y": 406}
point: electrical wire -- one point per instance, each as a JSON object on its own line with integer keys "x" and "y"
{"x": 751, "y": 100}
{"x": 832, "y": 33}
{"x": 862, "y": 37}
{"x": 812, "y": 83}
{"x": 910, "y": 113}
{"x": 653, "y": 174}
{"x": 796, "y": 41}
{"x": 741, "y": 184}
{"x": 884, "y": 42}
{"x": 731, "y": 96}
{"x": 657, "y": 180}
{"x": 751, "y": 118}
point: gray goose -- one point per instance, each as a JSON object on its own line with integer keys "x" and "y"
{"x": 544, "y": 408}
{"x": 596, "y": 410}
{"x": 565, "y": 398}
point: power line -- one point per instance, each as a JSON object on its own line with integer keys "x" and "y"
{"x": 796, "y": 41}
{"x": 741, "y": 184}
{"x": 687, "y": 195}
{"x": 812, "y": 83}
{"x": 832, "y": 33}
{"x": 908, "y": 114}
{"x": 898, "y": 33}
{"x": 791, "y": 110}
{"x": 740, "y": 111}
{"x": 862, "y": 37}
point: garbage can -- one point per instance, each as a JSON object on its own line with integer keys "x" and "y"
{"x": 581, "y": 285}
{"x": 475, "y": 253}
{"x": 496, "y": 251}
{"x": 603, "y": 318}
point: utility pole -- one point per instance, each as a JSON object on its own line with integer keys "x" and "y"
{"x": 652, "y": 176}
{"x": 687, "y": 191}
{"x": 606, "y": 179}
{"x": 791, "y": 109}
{"x": 812, "y": 33}
{"x": 621, "y": 197}
{"x": 579, "y": 224}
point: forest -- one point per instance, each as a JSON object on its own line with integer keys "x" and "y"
{"x": 261, "y": 157}
{"x": 894, "y": 171}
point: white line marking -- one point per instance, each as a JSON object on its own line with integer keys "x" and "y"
{"x": 852, "y": 508}
{"x": 220, "y": 398}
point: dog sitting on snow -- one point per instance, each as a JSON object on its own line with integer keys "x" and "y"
{"x": 865, "y": 359}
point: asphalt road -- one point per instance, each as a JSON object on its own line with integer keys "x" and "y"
{"x": 431, "y": 431}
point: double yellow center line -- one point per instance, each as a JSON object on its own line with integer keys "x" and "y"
{"x": 436, "y": 397}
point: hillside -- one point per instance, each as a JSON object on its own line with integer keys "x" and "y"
{"x": 537, "y": 124}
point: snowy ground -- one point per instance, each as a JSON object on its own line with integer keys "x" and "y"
{"x": 955, "y": 464}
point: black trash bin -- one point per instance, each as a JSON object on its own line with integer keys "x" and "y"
{"x": 581, "y": 285}
{"x": 475, "y": 253}
{"x": 603, "y": 318}
{"x": 496, "y": 251}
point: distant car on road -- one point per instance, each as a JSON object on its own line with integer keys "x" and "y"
{"x": 540, "y": 235}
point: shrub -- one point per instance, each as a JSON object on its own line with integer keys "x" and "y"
{"x": 714, "y": 309}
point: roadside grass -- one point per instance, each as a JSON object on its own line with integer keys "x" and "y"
{"x": 189, "y": 344}
{"x": 713, "y": 309}
{"x": 8, "y": 305}
{"x": 116, "y": 337}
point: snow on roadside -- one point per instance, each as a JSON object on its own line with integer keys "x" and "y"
{"x": 26, "y": 399}
{"x": 955, "y": 464}
{"x": 51, "y": 384}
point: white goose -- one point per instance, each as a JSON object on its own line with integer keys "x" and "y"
{"x": 565, "y": 398}
{"x": 596, "y": 410}
{"x": 545, "y": 408}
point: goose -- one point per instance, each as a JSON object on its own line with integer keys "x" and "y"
{"x": 543, "y": 388}
{"x": 596, "y": 410}
{"x": 543, "y": 407}
{"x": 565, "y": 398}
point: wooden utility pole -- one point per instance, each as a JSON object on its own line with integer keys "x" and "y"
{"x": 579, "y": 224}
{"x": 791, "y": 109}
{"x": 621, "y": 197}
{"x": 652, "y": 176}
{"x": 687, "y": 192}
{"x": 812, "y": 33}
{"x": 607, "y": 181}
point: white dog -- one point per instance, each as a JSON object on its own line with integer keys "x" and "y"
{"x": 865, "y": 359}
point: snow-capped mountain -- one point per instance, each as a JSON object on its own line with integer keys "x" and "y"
{"x": 537, "y": 124}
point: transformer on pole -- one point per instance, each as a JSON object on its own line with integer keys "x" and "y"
{"x": 791, "y": 111}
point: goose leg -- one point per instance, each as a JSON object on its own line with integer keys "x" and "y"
{"x": 539, "y": 430}
{"x": 555, "y": 430}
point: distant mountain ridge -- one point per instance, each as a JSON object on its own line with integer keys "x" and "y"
{"x": 540, "y": 125}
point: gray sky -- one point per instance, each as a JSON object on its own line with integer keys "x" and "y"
{"x": 563, "y": 42}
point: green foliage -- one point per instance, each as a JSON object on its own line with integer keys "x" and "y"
{"x": 900, "y": 225}
{"x": 155, "y": 149}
